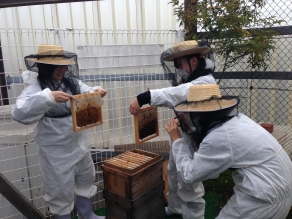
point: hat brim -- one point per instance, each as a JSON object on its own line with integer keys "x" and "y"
{"x": 197, "y": 50}
{"x": 206, "y": 106}
{"x": 52, "y": 61}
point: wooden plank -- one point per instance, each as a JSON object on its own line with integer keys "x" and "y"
{"x": 158, "y": 147}
{"x": 133, "y": 203}
{"x": 18, "y": 200}
{"x": 283, "y": 134}
{"x": 146, "y": 124}
{"x": 152, "y": 208}
{"x": 86, "y": 111}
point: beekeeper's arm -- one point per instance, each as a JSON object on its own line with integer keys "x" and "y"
{"x": 168, "y": 97}
{"x": 34, "y": 102}
{"x": 213, "y": 157}
{"x": 85, "y": 89}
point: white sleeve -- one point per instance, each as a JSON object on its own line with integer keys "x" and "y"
{"x": 29, "y": 77}
{"x": 87, "y": 89}
{"x": 210, "y": 160}
{"x": 32, "y": 104}
{"x": 170, "y": 96}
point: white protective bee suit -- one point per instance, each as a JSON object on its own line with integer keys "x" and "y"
{"x": 183, "y": 198}
{"x": 263, "y": 170}
{"x": 65, "y": 161}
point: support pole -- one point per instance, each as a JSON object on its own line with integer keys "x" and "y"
{"x": 62, "y": 41}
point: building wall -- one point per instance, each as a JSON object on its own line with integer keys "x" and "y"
{"x": 78, "y": 25}
{"x": 108, "y": 14}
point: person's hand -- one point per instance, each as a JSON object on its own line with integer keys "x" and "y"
{"x": 172, "y": 129}
{"x": 134, "y": 107}
{"x": 102, "y": 91}
{"x": 61, "y": 97}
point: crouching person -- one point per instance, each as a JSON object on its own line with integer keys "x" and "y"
{"x": 262, "y": 170}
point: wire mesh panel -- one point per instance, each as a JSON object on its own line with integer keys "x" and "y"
{"x": 125, "y": 63}
{"x": 265, "y": 95}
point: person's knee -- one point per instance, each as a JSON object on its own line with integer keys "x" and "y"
{"x": 87, "y": 191}
{"x": 61, "y": 193}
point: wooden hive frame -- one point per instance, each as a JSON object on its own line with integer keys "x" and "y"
{"x": 132, "y": 161}
{"x": 146, "y": 117}
{"x": 129, "y": 175}
{"x": 159, "y": 147}
{"x": 91, "y": 105}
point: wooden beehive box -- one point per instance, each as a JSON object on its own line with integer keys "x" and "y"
{"x": 86, "y": 111}
{"x": 146, "y": 124}
{"x": 149, "y": 205}
{"x": 132, "y": 173}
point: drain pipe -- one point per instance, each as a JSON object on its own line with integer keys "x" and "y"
{"x": 62, "y": 41}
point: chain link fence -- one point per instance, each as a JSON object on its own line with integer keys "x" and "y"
{"x": 265, "y": 96}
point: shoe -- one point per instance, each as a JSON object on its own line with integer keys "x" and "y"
{"x": 167, "y": 212}
{"x": 84, "y": 208}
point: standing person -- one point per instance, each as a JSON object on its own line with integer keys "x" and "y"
{"x": 191, "y": 68}
{"x": 262, "y": 170}
{"x": 66, "y": 165}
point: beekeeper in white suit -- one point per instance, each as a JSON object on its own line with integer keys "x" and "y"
{"x": 262, "y": 170}
{"x": 185, "y": 64}
{"x": 66, "y": 165}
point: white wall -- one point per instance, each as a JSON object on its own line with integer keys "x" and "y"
{"x": 109, "y": 22}
{"x": 108, "y": 14}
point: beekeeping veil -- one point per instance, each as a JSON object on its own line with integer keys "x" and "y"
{"x": 48, "y": 58}
{"x": 204, "y": 109}
{"x": 45, "y": 62}
{"x": 186, "y": 48}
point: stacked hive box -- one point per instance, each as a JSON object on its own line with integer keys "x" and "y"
{"x": 133, "y": 186}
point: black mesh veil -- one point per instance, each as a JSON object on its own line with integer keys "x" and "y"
{"x": 205, "y": 120}
{"x": 59, "y": 58}
{"x": 170, "y": 70}
{"x": 44, "y": 65}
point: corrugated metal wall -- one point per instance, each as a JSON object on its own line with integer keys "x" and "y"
{"x": 108, "y": 14}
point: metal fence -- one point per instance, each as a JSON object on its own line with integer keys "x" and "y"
{"x": 125, "y": 63}
{"x": 265, "y": 96}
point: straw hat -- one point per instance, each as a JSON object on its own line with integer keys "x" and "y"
{"x": 186, "y": 48}
{"x": 205, "y": 98}
{"x": 50, "y": 54}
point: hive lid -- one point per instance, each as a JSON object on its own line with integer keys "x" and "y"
{"x": 132, "y": 161}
